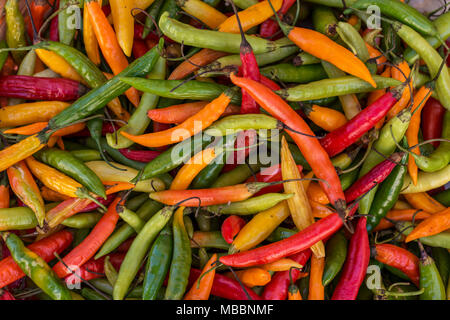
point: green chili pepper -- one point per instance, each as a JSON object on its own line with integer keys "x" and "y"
{"x": 289, "y": 73}
{"x": 386, "y": 145}
{"x": 250, "y": 206}
{"x": 158, "y": 263}
{"x": 443, "y": 197}
{"x": 97, "y": 98}
{"x": 209, "y": 239}
{"x": 215, "y": 40}
{"x": 18, "y": 218}
{"x": 95, "y": 127}
{"x": 432, "y": 59}
{"x": 145, "y": 212}
{"x": 36, "y": 268}
{"x": 236, "y": 123}
{"x": 15, "y": 29}
{"x": 430, "y": 279}
{"x": 336, "y": 250}
{"x": 387, "y": 194}
{"x": 110, "y": 271}
{"x": 136, "y": 202}
{"x": 181, "y": 259}
{"x": 238, "y": 175}
{"x": 438, "y": 240}
{"x": 189, "y": 226}
{"x": 67, "y": 21}
{"x": 194, "y": 89}
{"x": 131, "y": 218}
{"x": 86, "y": 154}
{"x": 353, "y": 39}
{"x": 304, "y": 58}
{"x": 90, "y": 294}
{"x": 390, "y": 42}
{"x": 3, "y": 54}
{"x": 176, "y": 155}
{"x": 400, "y": 11}
{"x": 442, "y": 258}
{"x": 139, "y": 121}
{"x": 440, "y": 158}
{"x": 137, "y": 251}
{"x": 82, "y": 220}
{"x": 334, "y": 87}
{"x": 281, "y": 233}
{"x": 442, "y": 25}
{"x": 325, "y": 21}
{"x": 348, "y": 178}
{"x": 103, "y": 285}
{"x": 152, "y": 11}
{"x": 244, "y": 4}
{"x": 171, "y": 7}
{"x": 65, "y": 162}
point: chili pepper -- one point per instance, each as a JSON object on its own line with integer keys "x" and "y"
{"x": 4, "y": 191}
{"x": 145, "y": 212}
{"x": 38, "y": 88}
{"x": 158, "y": 263}
{"x": 284, "y": 264}
{"x": 82, "y": 220}
{"x": 202, "y": 287}
{"x": 325, "y": 21}
{"x": 86, "y": 155}
{"x": 204, "y": 12}
{"x": 233, "y": 124}
{"x": 438, "y": 240}
{"x": 355, "y": 266}
{"x": 290, "y": 73}
{"x": 401, "y": 12}
{"x": 181, "y": 259}
{"x": 36, "y": 268}
{"x": 326, "y": 118}
{"x": 123, "y": 24}
{"x": 89, "y": 39}
{"x": 208, "y": 239}
{"x": 271, "y": 102}
{"x": 427, "y": 181}
{"x": 387, "y": 194}
{"x": 398, "y": 258}
{"x": 231, "y": 227}
{"x": 442, "y": 26}
{"x": 339, "y": 139}
{"x": 68, "y": 164}
{"x": 87, "y": 248}
{"x": 140, "y": 155}
{"x": 109, "y": 45}
{"x": 277, "y": 289}
{"x": 441, "y": 257}
{"x": 435, "y": 224}
{"x": 431, "y": 58}
{"x": 18, "y": 218}
{"x": 220, "y": 41}
{"x": 269, "y": 27}
{"x": 22, "y": 114}
{"x": 430, "y": 279}
{"x": 334, "y": 87}
{"x": 432, "y": 119}
{"x": 423, "y": 201}
{"x": 316, "y": 288}
{"x": 15, "y": 29}
{"x": 57, "y": 63}
{"x": 336, "y": 250}
{"x": 386, "y": 145}
{"x": 66, "y": 29}
{"x": 136, "y": 253}
{"x": 252, "y": 277}
{"x": 207, "y": 115}
{"x": 124, "y": 174}
{"x": 443, "y": 198}
{"x": 401, "y": 215}
{"x": 355, "y": 42}
{"x": 24, "y": 186}
{"x": 53, "y": 33}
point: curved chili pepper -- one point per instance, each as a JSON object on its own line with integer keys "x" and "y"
{"x": 355, "y": 266}
{"x": 231, "y": 227}
{"x": 432, "y": 119}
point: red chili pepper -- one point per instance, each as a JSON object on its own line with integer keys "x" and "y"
{"x": 398, "y": 258}
{"x": 244, "y": 140}
{"x": 39, "y": 88}
{"x": 272, "y": 85}
{"x": 270, "y": 26}
{"x": 140, "y": 155}
{"x": 94, "y": 268}
{"x": 341, "y": 138}
{"x": 270, "y": 174}
{"x": 54, "y": 32}
{"x": 372, "y": 178}
{"x": 224, "y": 287}
{"x": 45, "y": 248}
{"x": 106, "y": 10}
{"x": 277, "y": 288}
{"x": 356, "y": 264}
{"x": 231, "y": 227}
{"x": 139, "y": 48}
{"x": 431, "y": 122}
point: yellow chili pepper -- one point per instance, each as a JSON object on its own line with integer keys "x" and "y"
{"x": 21, "y": 150}
{"x": 59, "y": 65}
{"x": 123, "y": 23}
{"x": 27, "y": 113}
{"x": 203, "y": 12}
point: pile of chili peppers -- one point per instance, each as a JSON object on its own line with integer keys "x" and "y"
{"x": 131, "y": 159}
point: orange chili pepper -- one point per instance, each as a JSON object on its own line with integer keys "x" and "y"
{"x": 190, "y": 127}
{"x": 375, "y": 53}
{"x": 420, "y": 98}
{"x": 116, "y": 186}
{"x": 284, "y": 264}
{"x": 21, "y": 150}
{"x": 316, "y": 193}
{"x": 435, "y": 224}
{"x": 316, "y": 288}
{"x": 201, "y": 290}
{"x": 27, "y": 113}
{"x": 319, "y": 210}
{"x": 326, "y": 118}
{"x": 210, "y": 16}
{"x": 4, "y": 192}
{"x": 401, "y": 72}
{"x": 89, "y": 39}
{"x": 401, "y": 215}
{"x": 59, "y": 65}
{"x": 299, "y": 206}
{"x": 52, "y": 196}
{"x": 252, "y": 277}
{"x": 180, "y": 112}
{"x": 28, "y": 129}
{"x": 201, "y": 58}
{"x": 192, "y": 168}
{"x": 294, "y": 292}
{"x": 109, "y": 46}
{"x": 424, "y": 201}
{"x": 353, "y": 20}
